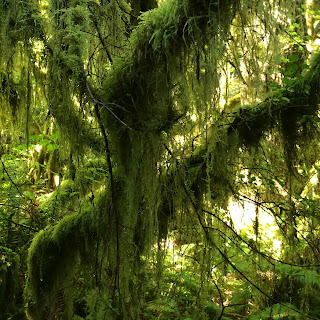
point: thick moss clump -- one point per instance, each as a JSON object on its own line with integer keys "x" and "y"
{"x": 55, "y": 206}
{"x": 162, "y": 45}
{"x": 54, "y": 256}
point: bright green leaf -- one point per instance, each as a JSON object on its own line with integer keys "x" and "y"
{"x": 35, "y": 137}
{"x": 52, "y": 147}
{"x": 44, "y": 142}
{"x": 293, "y": 58}
{"x": 304, "y": 66}
{"x": 22, "y": 147}
{"x": 285, "y": 99}
{"x": 273, "y": 85}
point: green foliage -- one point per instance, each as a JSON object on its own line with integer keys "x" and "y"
{"x": 177, "y": 294}
{"x": 9, "y": 290}
{"x": 277, "y": 311}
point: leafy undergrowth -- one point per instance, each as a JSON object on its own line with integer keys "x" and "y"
{"x": 181, "y": 290}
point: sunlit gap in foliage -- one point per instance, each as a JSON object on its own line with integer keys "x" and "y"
{"x": 243, "y": 215}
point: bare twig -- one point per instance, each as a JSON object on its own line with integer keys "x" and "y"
{"x": 19, "y": 224}
{"x": 98, "y": 102}
{"x": 6, "y": 171}
{"x": 99, "y": 34}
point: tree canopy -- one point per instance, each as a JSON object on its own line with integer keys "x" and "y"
{"x": 160, "y": 159}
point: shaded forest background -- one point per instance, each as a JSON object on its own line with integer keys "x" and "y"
{"x": 159, "y": 159}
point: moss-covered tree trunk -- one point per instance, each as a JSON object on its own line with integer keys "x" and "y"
{"x": 134, "y": 109}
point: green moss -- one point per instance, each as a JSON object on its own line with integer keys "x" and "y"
{"x": 20, "y": 21}
{"x": 149, "y": 91}
{"x": 60, "y": 201}
{"x": 53, "y": 258}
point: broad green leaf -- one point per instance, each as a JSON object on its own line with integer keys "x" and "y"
{"x": 293, "y": 58}
{"x": 285, "y": 99}
{"x": 52, "y": 147}
{"x": 22, "y": 147}
{"x": 293, "y": 66}
{"x": 55, "y": 136}
{"x": 288, "y": 81}
{"x": 273, "y": 85}
{"x": 36, "y": 137}
{"x": 44, "y": 142}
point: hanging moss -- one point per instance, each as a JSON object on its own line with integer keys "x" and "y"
{"x": 161, "y": 46}
{"x": 295, "y": 119}
{"x": 66, "y": 51}
{"x": 252, "y": 123}
{"x": 157, "y": 68}
{"x": 21, "y": 25}
{"x": 20, "y": 21}
{"x": 163, "y": 39}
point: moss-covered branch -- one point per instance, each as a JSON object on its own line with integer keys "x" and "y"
{"x": 139, "y": 89}
{"x": 56, "y": 253}
{"x": 293, "y": 116}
